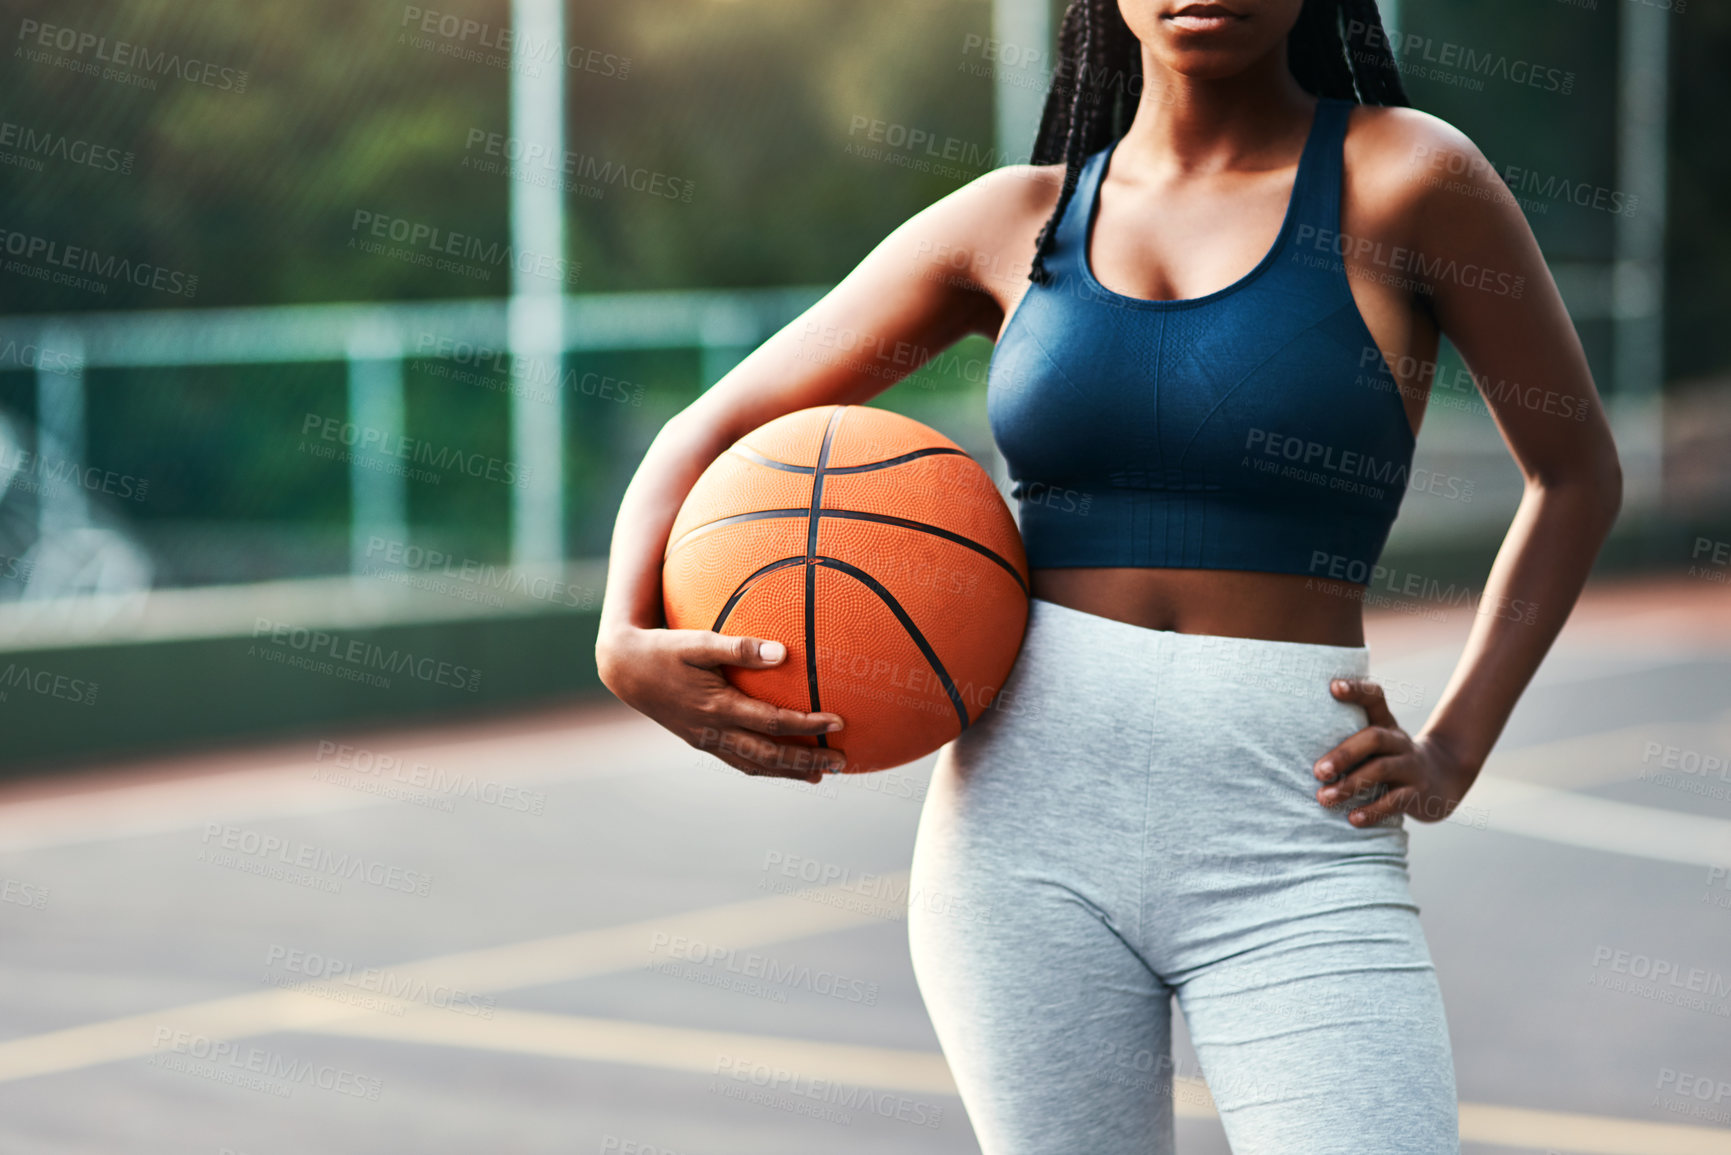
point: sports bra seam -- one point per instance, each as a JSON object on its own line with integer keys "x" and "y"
{"x": 1053, "y": 362}
{"x": 1236, "y": 385}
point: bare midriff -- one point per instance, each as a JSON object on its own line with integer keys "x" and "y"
{"x": 1228, "y": 603}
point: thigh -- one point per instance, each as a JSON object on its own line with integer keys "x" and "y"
{"x": 1058, "y": 1036}
{"x": 1329, "y": 1040}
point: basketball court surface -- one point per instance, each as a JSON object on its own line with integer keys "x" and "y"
{"x": 567, "y": 932}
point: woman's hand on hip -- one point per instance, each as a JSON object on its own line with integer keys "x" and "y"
{"x": 1382, "y": 770}
{"x": 674, "y": 677}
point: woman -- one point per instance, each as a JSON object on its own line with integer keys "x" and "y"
{"x": 1200, "y": 795}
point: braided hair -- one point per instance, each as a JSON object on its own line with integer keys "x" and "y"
{"x": 1337, "y": 49}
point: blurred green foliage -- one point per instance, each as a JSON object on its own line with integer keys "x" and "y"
{"x": 251, "y": 178}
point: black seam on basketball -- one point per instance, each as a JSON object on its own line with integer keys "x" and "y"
{"x": 731, "y": 519}
{"x": 856, "y": 515}
{"x": 810, "y": 569}
{"x": 889, "y": 461}
{"x": 739, "y": 590}
{"x": 769, "y": 462}
{"x": 913, "y": 631}
{"x": 753, "y": 455}
{"x": 936, "y": 531}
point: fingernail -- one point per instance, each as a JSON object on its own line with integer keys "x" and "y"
{"x": 833, "y": 726}
{"x": 1325, "y": 768}
{"x": 1331, "y": 796}
{"x": 772, "y": 651}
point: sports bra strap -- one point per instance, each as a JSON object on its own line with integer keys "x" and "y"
{"x": 1315, "y": 194}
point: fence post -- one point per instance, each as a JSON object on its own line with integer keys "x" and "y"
{"x": 537, "y": 309}
{"x": 60, "y": 432}
{"x": 1638, "y": 276}
{"x": 378, "y": 487}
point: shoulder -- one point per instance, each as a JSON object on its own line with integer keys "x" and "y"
{"x": 984, "y": 232}
{"x": 1402, "y": 164}
{"x": 1004, "y": 200}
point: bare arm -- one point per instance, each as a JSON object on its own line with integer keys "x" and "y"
{"x": 1492, "y": 295}
{"x": 905, "y": 302}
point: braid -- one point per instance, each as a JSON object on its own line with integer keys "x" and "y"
{"x": 1337, "y": 49}
{"x": 1373, "y": 66}
{"x": 1315, "y": 54}
{"x": 1081, "y": 14}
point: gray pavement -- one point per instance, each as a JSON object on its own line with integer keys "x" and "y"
{"x": 658, "y": 937}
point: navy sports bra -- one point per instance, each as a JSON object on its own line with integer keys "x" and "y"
{"x": 1256, "y": 428}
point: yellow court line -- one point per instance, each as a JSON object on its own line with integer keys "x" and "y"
{"x": 801, "y": 1066}
{"x": 755, "y": 922}
{"x": 778, "y": 1061}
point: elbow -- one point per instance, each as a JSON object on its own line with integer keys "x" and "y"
{"x": 1590, "y": 482}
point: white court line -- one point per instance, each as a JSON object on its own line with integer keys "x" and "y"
{"x": 612, "y": 949}
{"x": 860, "y": 1070}
{"x": 1571, "y": 819}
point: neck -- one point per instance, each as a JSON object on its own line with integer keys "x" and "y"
{"x": 1188, "y": 123}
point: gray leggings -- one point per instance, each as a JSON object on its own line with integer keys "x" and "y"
{"x": 1136, "y": 820}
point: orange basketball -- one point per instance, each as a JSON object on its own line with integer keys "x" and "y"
{"x": 879, "y": 553}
